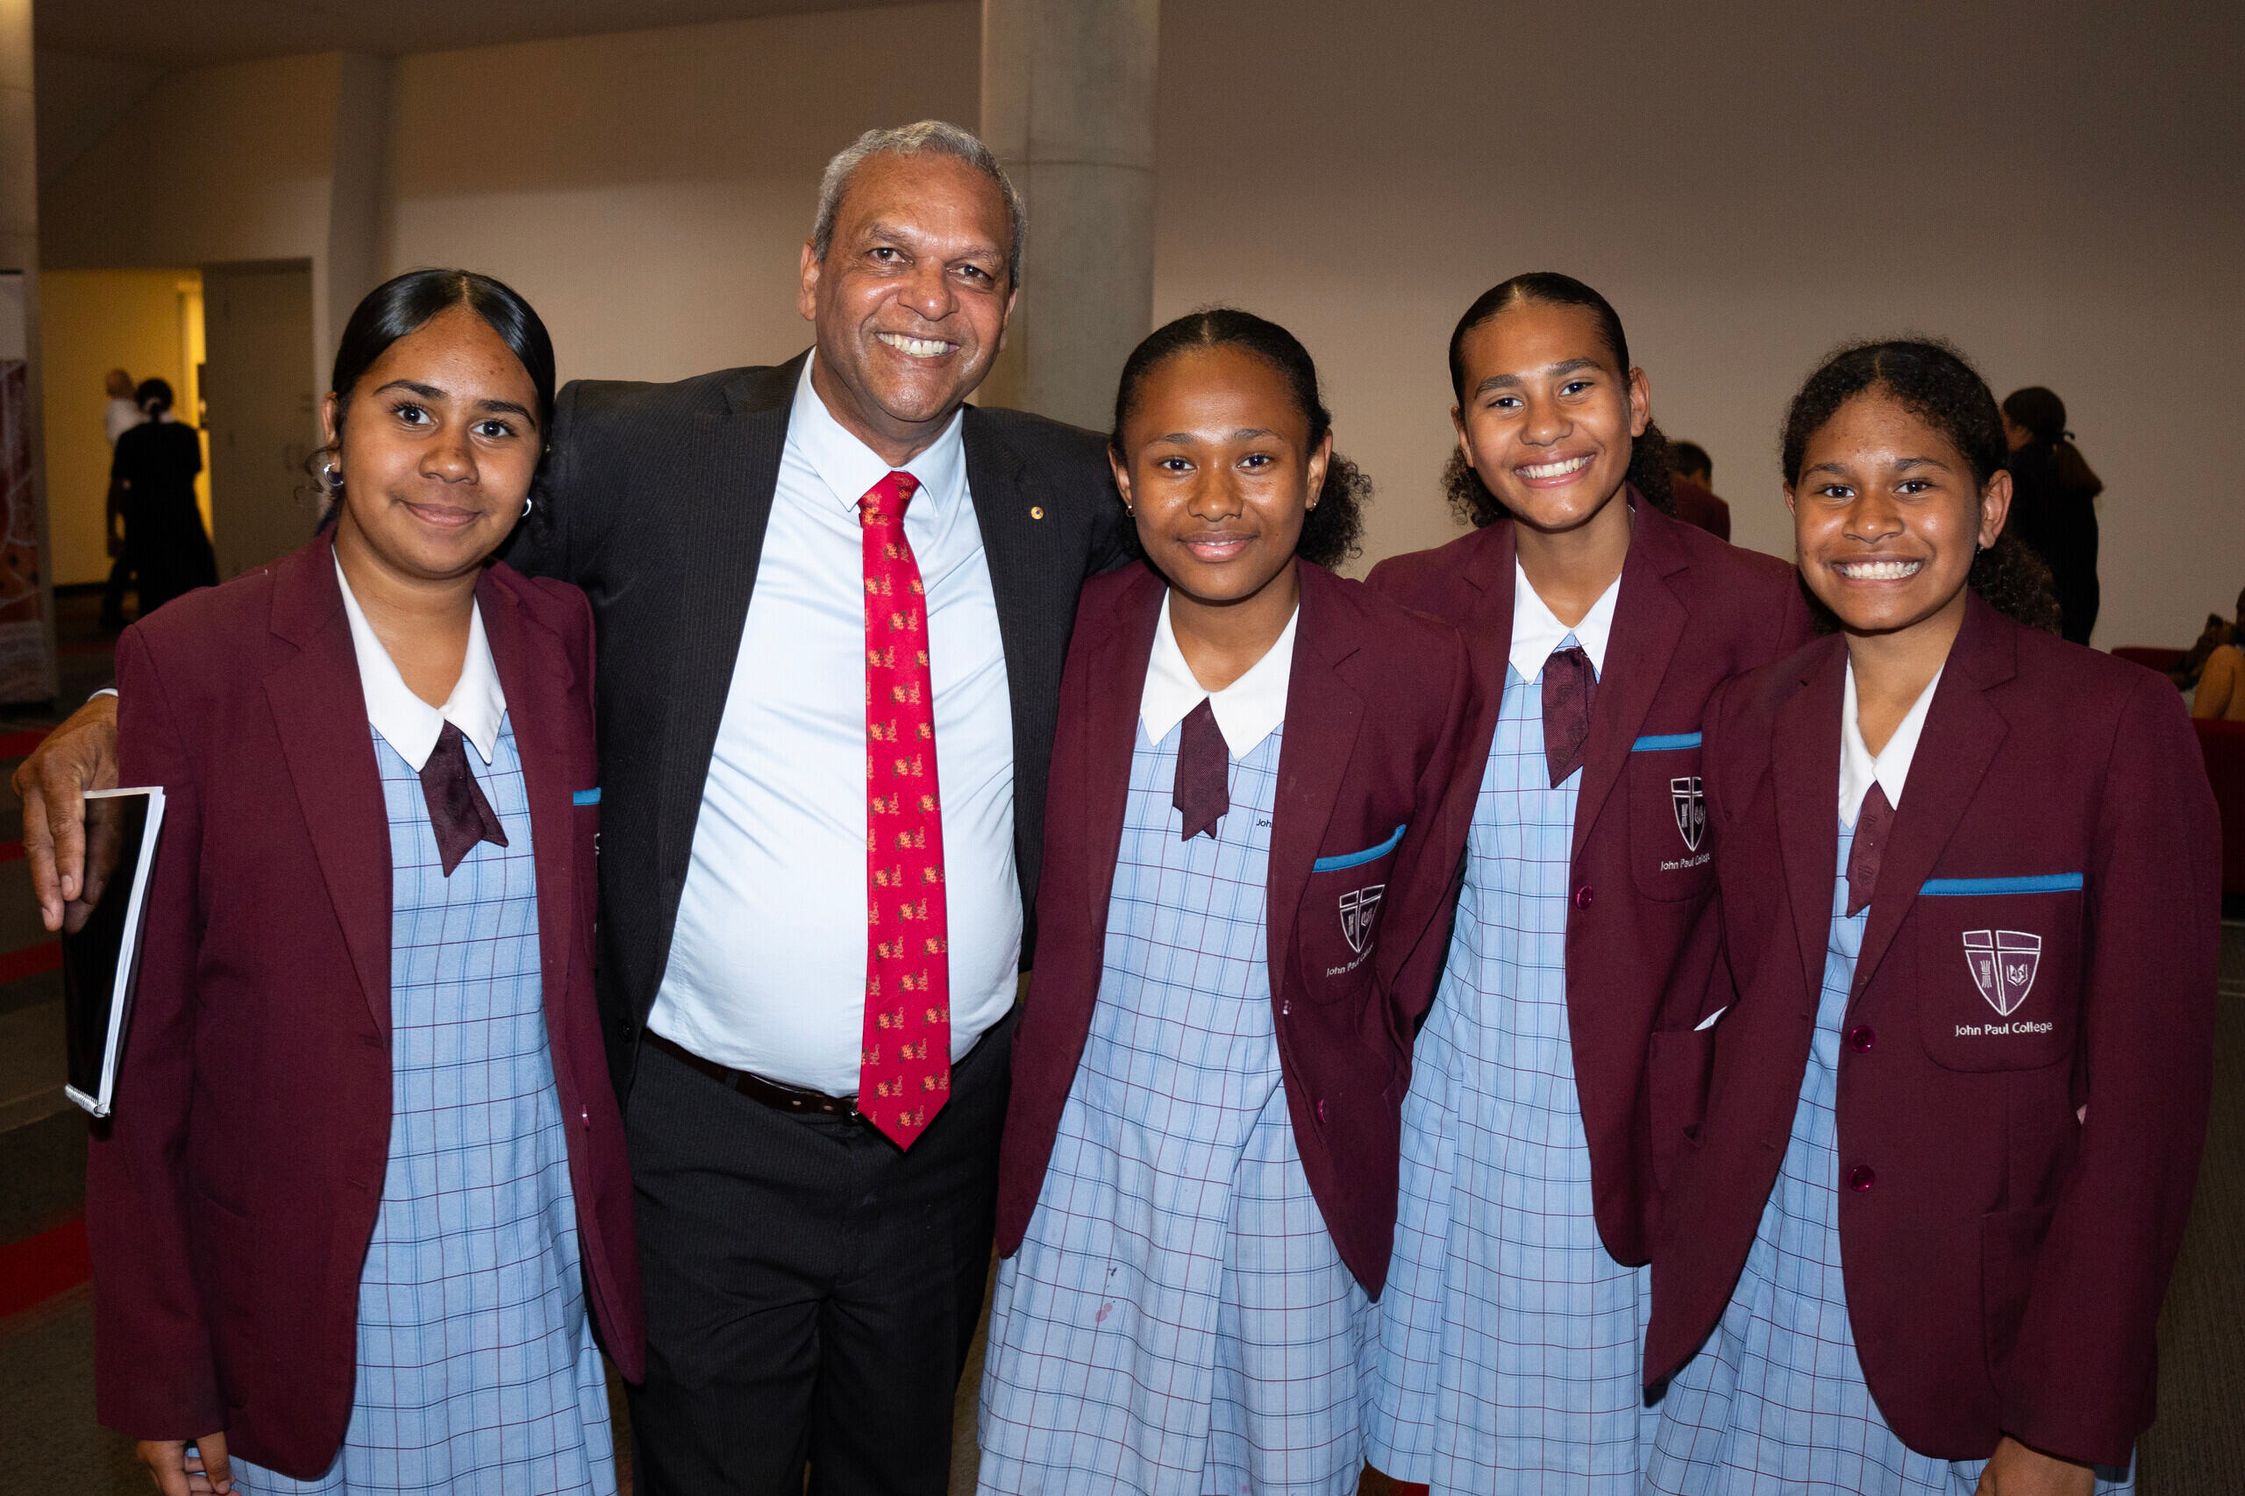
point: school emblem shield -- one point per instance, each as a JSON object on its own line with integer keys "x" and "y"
{"x": 1358, "y": 907}
{"x": 1691, "y": 810}
{"x": 2003, "y": 965}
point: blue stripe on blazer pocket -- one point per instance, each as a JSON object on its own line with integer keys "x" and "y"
{"x": 1950, "y": 888}
{"x": 586, "y": 797}
{"x": 1663, "y": 742}
{"x": 1343, "y": 860}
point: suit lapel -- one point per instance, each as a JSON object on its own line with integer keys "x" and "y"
{"x": 536, "y": 678}
{"x": 1962, "y": 734}
{"x": 1114, "y": 685}
{"x": 1648, "y": 622}
{"x": 319, "y": 712}
{"x": 722, "y": 539}
{"x": 997, "y": 485}
{"x": 1804, "y": 751}
{"x": 1323, "y": 715}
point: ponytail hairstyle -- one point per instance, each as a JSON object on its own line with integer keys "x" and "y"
{"x": 1934, "y": 382}
{"x": 154, "y": 396}
{"x": 1334, "y": 527}
{"x": 2042, "y": 415}
{"x": 1648, "y": 454}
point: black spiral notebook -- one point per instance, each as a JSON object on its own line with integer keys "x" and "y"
{"x": 101, "y": 939}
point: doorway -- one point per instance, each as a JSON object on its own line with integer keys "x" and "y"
{"x": 259, "y": 407}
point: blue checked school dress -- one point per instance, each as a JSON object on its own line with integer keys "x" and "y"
{"x": 1508, "y": 1341}
{"x": 1775, "y": 1403}
{"x": 1177, "y": 1322}
{"x": 477, "y": 1370}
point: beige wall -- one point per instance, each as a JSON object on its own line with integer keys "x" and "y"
{"x": 94, "y": 321}
{"x": 649, "y": 192}
{"x": 2062, "y": 192}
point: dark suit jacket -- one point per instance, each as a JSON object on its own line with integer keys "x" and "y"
{"x": 1702, "y": 507}
{"x": 231, "y": 1200}
{"x": 1640, "y": 950}
{"x": 2004, "y": 1256}
{"x": 655, "y": 500}
{"x": 1376, "y": 708}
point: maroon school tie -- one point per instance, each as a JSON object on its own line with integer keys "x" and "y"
{"x": 1873, "y": 825}
{"x": 458, "y": 809}
{"x": 1568, "y": 682}
{"x": 904, "y": 1064}
{"x": 1202, "y": 793}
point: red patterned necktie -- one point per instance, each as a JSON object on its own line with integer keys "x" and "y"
{"x": 904, "y": 1069}
{"x": 1201, "y": 790}
{"x": 1568, "y": 682}
{"x": 1874, "y": 825}
{"x": 459, "y": 811}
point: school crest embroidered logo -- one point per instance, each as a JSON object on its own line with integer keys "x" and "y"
{"x": 1358, "y": 907}
{"x": 1691, "y": 810}
{"x": 2003, "y": 965}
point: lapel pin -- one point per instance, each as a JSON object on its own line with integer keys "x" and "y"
{"x": 1036, "y": 511}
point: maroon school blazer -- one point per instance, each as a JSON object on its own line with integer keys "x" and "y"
{"x": 231, "y": 1199}
{"x": 2043, "y": 939}
{"x": 1376, "y": 709}
{"x": 1641, "y": 946}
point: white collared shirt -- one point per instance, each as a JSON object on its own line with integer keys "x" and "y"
{"x": 1246, "y": 711}
{"x": 1537, "y": 631}
{"x": 1890, "y": 766}
{"x": 406, "y": 722}
{"x": 767, "y": 965}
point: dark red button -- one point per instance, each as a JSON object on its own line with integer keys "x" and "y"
{"x": 1321, "y": 1109}
{"x": 1862, "y": 1037}
{"x": 1584, "y": 895}
{"x": 1861, "y": 1178}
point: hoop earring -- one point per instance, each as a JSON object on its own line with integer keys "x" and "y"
{"x": 330, "y": 479}
{"x": 526, "y": 508}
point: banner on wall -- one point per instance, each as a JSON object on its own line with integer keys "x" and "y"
{"x": 26, "y": 666}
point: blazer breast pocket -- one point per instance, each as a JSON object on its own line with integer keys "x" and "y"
{"x": 1338, "y": 927}
{"x": 1999, "y": 970}
{"x": 584, "y": 824}
{"x": 1671, "y": 839}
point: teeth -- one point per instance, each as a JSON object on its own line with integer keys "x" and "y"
{"x": 1555, "y": 469}
{"x": 1878, "y": 571}
{"x": 917, "y": 347}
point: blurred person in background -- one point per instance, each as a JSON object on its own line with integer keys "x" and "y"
{"x": 1691, "y": 474}
{"x": 2053, "y": 508}
{"x": 121, "y": 414}
{"x": 153, "y": 477}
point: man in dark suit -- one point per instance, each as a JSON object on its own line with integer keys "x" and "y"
{"x": 790, "y": 566}
{"x": 1691, "y": 472}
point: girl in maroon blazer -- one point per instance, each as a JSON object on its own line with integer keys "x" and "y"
{"x": 363, "y": 1199}
{"x": 1245, "y": 867}
{"x": 1970, "y": 897}
{"x": 1561, "y": 1045}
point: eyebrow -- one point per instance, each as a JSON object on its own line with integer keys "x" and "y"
{"x": 1513, "y": 381}
{"x": 1187, "y": 438}
{"x": 432, "y": 392}
{"x": 877, "y": 231}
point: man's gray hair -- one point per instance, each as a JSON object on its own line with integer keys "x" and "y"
{"x": 928, "y": 135}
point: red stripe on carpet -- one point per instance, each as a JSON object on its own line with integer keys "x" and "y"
{"x": 39, "y": 1267}
{"x": 17, "y": 744}
{"x": 11, "y": 851}
{"x": 30, "y": 961}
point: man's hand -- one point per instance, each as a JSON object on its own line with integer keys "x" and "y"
{"x": 78, "y": 756}
{"x": 179, "y": 1469}
{"x": 2017, "y": 1470}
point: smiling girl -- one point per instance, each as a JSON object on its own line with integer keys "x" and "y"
{"x": 1970, "y": 895}
{"x": 1250, "y": 838}
{"x": 363, "y": 1201}
{"x": 1561, "y": 1061}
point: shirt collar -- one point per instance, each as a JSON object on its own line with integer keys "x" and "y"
{"x": 1246, "y": 710}
{"x": 849, "y": 468}
{"x": 1537, "y": 631}
{"x": 1860, "y": 768}
{"x": 406, "y": 722}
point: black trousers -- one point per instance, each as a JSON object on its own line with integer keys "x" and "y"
{"x": 811, "y": 1290}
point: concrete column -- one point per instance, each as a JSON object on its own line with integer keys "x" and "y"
{"x": 27, "y": 643}
{"x": 1068, "y": 105}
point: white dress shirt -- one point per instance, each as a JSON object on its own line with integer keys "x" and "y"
{"x": 767, "y": 966}
{"x": 1536, "y": 630}
{"x": 1890, "y": 766}
{"x": 406, "y": 722}
{"x": 1246, "y": 710}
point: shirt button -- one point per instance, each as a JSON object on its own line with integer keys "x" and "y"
{"x": 1861, "y": 1178}
{"x": 1862, "y": 1037}
{"x": 1584, "y": 896}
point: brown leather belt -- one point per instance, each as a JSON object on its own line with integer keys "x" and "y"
{"x": 755, "y": 1087}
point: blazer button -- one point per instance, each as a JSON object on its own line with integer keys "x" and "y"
{"x": 1861, "y": 1178}
{"x": 1321, "y": 1109}
{"x": 1285, "y": 1007}
{"x": 1584, "y": 896}
{"x": 1862, "y": 1037}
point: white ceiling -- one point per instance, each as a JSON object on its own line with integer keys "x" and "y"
{"x": 170, "y": 34}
